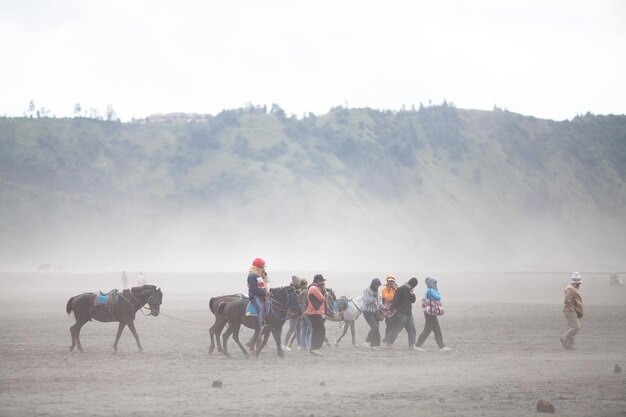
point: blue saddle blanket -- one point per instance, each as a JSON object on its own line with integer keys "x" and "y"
{"x": 112, "y": 297}
{"x": 251, "y": 310}
{"x": 341, "y": 304}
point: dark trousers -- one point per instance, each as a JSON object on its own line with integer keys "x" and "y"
{"x": 374, "y": 334}
{"x": 431, "y": 325}
{"x": 402, "y": 321}
{"x": 319, "y": 331}
{"x": 388, "y": 323}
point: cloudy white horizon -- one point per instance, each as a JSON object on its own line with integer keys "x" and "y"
{"x": 551, "y": 60}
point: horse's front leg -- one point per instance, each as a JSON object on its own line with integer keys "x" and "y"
{"x": 353, "y": 333}
{"x": 120, "y": 329}
{"x": 131, "y": 326}
{"x": 276, "y": 332}
{"x": 345, "y": 330}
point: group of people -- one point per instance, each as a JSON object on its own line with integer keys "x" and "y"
{"x": 395, "y": 305}
{"x": 141, "y": 280}
{"x": 392, "y": 303}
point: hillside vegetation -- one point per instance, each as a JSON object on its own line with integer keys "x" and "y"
{"x": 438, "y": 188}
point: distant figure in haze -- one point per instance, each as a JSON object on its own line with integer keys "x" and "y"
{"x": 431, "y": 323}
{"x": 315, "y": 311}
{"x": 371, "y": 306}
{"x": 402, "y": 302}
{"x": 573, "y": 311}
{"x": 257, "y": 288}
{"x": 141, "y": 280}
{"x": 124, "y": 280}
{"x": 387, "y": 296}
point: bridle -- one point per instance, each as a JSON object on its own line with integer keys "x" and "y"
{"x": 281, "y": 307}
{"x": 141, "y": 306}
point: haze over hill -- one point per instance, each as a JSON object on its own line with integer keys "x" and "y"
{"x": 359, "y": 189}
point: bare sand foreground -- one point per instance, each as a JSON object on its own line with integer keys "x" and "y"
{"x": 504, "y": 329}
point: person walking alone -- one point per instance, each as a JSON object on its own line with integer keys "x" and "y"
{"x": 431, "y": 323}
{"x": 371, "y": 307}
{"x": 315, "y": 312}
{"x": 573, "y": 311}
{"x": 402, "y": 302}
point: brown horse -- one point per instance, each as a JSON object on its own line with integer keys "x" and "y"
{"x": 129, "y": 302}
{"x": 280, "y": 300}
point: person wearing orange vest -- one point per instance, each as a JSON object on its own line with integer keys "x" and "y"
{"x": 387, "y": 295}
{"x": 316, "y": 297}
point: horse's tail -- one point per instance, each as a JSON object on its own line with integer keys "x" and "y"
{"x": 221, "y": 307}
{"x": 68, "y": 308}
{"x": 212, "y": 305}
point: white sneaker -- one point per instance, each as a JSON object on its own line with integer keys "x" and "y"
{"x": 286, "y": 347}
{"x": 316, "y": 353}
{"x": 445, "y": 349}
{"x": 367, "y": 344}
{"x": 421, "y": 349}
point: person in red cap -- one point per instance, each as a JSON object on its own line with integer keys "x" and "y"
{"x": 257, "y": 288}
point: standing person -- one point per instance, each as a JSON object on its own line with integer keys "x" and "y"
{"x": 431, "y": 323}
{"x": 371, "y": 306}
{"x": 141, "y": 280}
{"x": 124, "y": 280}
{"x": 315, "y": 311}
{"x": 573, "y": 311}
{"x": 387, "y": 296}
{"x": 291, "y": 316}
{"x": 402, "y": 302}
{"x": 305, "y": 331}
{"x": 257, "y": 288}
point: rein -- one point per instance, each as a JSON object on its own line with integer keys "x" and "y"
{"x": 283, "y": 310}
{"x": 140, "y": 306}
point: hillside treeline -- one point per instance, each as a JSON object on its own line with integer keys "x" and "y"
{"x": 440, "y": 186}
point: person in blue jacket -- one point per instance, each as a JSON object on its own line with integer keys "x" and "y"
{"x": 431, "y": 323}
{"x": 257, "y": 288}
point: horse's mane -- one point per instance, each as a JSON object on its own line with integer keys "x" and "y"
{"x": 276, "y": 290}
{"x": 143, "y": 287}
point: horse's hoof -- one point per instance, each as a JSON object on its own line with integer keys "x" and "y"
{"x": 211, "y": 351}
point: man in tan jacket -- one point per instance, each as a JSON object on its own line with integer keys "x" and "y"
{"x": 573, "y": 311}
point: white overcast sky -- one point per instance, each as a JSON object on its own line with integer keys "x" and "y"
{"x": 550, "y": 59}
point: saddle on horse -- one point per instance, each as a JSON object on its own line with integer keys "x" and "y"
{"x": 111, "y": 297}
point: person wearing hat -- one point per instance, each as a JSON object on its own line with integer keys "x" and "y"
{"x": 371, "y": 305}
{"x": 387, "y": 296}
{"x": 291, "y": 315}
{"x": 573, "y": 311}
{"x": 316, "y": 297}
{"x": 305, "y": 331}
{"x": 401, "y": 304}
{"x": 257, "y": 288}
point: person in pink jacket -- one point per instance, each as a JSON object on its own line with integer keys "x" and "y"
{"x": 316, "y": 297}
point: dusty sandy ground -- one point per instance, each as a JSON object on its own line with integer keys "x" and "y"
{"x": 504, "y": 329}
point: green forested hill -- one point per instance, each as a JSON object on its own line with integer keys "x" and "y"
{"x": 353, "y": 189}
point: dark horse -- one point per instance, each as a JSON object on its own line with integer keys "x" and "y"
{"x": 216, "y": 305}
{"x": 130, "y": 301}
{"x": 281, "y": 299}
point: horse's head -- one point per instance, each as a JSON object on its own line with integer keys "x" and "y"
{"x": 330, "y": 302}
{"x": 289, "y": 297}
{"x": 154, "y": 301}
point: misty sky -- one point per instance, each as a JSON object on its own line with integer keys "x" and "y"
{"x": 548, "y": 59}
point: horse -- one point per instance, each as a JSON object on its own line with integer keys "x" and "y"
{"x": 347, "y": 311}
{"x": 281, "y": 299}
{"x": 216, "y": 305}
{"x": 129, "y": 302}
